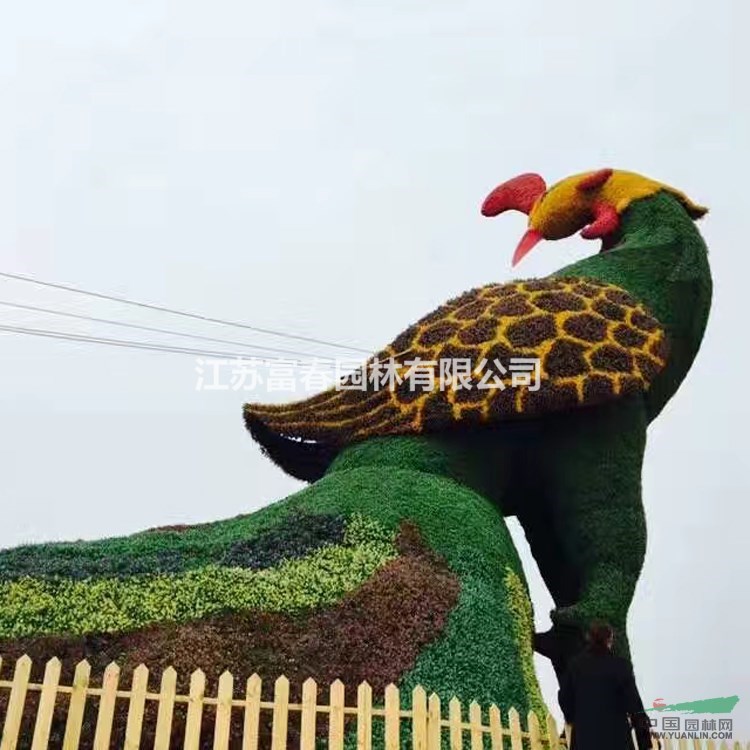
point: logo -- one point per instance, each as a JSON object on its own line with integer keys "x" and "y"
{"x": 704, "y": 706}
{"x": 682, "y": 727}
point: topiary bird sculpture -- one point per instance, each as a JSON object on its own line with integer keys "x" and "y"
{"x": 395, "y": 564}
{"x": 614, "y": 336}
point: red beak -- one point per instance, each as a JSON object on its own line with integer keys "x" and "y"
{"x": 531, "y": 238}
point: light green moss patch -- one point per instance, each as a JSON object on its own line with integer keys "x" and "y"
{"x": 32, "y": 606}
{"x": 522, "y": 614}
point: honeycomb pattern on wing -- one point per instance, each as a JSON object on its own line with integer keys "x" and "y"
{"x": 593, "y": 340}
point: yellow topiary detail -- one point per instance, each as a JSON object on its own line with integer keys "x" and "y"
{"x": 564, "y": 208}
{"x": 523, "y": 619}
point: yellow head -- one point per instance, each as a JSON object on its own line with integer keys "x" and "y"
{"x": 591, "y": 202}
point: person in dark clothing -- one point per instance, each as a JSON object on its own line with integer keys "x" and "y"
{"x": 599, "y": 698}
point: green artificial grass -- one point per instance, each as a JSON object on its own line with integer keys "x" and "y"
{"x": 245, "y": 541}
{"x": 32, "y": 606}
{"x": 475, "y": 658}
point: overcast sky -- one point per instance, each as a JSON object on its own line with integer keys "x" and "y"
{"x": 317, "y": 168}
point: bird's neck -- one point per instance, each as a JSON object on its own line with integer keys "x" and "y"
{"x": 459, "y": 458}
{"x": 661, "y": 259}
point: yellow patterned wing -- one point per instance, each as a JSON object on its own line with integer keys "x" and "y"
{"x": 589, "y": 342}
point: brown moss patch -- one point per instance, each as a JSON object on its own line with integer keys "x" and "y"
{"x": 344, "y": 398}
{"x": 612, "y": 359}
{"x": 368, "y": 401}
{"x": 472, "y": 310}
{"x": 629, "y": 384}
{"x": 609, "y": 310}
{"x": 660, "y": 348}
{"x": 566, "y": 359}
{"x": 466, "y": 297}
{"x": 647, "y": 366}
{"x": 586, "y": 289}
{"x": 404, "y": 339}
{"x": 629, "y": 337}
{"x": 559, "y": 302}
{"x": 455, "y": 351}
{"x": 439, "y": 313}
{"x": 643, "y": 321}
{"x": 597, "y": 388}
{"x": 502, "y": 402}
{"x": 409, "y": 390}
{"x": 437, "y": 333}
{"x": 532, "y": 331}
{"x": 478, "y": 332}
{"x": 586, "y": 327}
{"x": 501, "y": 352}
{"x": 543, "y": 285}
{"x": 619, "y": 297}
{"x": 512, "y": 306}
{"x": 437, "y": 413}
{"x": 498, "y": 291}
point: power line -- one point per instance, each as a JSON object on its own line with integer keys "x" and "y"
{"x": 184, "y": 314}
{"x": 152, "y": 329}
{"x": 128, "y": 344}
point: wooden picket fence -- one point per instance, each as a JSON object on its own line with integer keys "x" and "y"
{"x": 430, "y": 727}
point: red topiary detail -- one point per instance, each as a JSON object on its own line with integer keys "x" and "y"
{"x": 595, "y": 180}
{"x": 606, "y": 221}
{"x": 518, "y": 194}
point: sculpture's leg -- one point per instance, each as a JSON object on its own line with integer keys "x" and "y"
{"x": 561, "y": 577}
{"x": 593, "y": 469}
